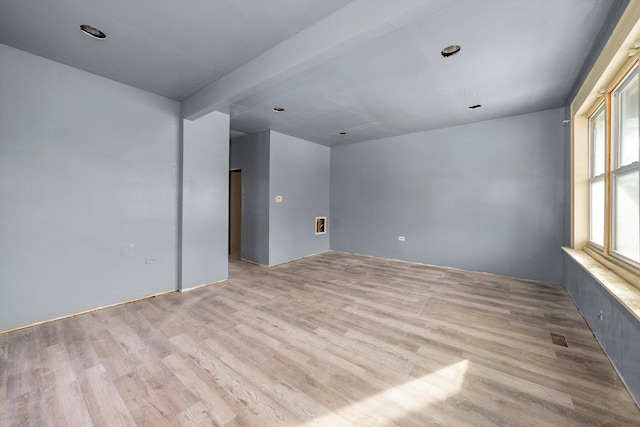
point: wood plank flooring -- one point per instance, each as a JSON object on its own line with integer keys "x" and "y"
{"x": 331, "y": 340}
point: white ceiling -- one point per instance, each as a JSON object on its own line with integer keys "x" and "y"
{"x": 371, "y": 68}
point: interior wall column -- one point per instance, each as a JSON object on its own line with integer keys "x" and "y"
{"x": 205, "y": 200}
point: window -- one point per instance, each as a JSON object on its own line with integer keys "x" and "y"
{"x": 614, "y": 176}
{"x": 605, "y": 151}
{"x": 624, "y": 170}
{"x": 597, "y": 176}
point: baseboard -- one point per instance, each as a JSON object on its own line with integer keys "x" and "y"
{"x": 91, "y": 310}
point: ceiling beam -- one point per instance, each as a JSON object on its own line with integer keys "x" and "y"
{"x": 353, "y": 25}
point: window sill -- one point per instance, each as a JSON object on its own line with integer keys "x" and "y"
{"x": 623, "y": 269}
{"x": 627, "y": 294}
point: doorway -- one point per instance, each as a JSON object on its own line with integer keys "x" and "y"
{"x": 235, "y": 211}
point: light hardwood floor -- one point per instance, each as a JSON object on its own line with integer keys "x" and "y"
{"x": 334, "y": 339}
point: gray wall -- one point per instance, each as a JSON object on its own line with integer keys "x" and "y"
{"x": 276, "y": 164}
{"x": 483, "y": 197}
{"x": 615, "y": 13}
{"x": 299, "y": 172}
{"x": 235, "y": 154}
{"x": 205, "y": 195}
{"x": 618, "y": 331}
{"x": 88, "y": 190}
{"x": 251, "y": 154}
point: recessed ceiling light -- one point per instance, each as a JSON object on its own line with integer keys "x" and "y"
{"x": 278, "y": 109}
{"x": 473, "y": 107}
{"x": 342, "y": 133}
{"x": 450, "y": 50}
{"x": 93, "y": 32}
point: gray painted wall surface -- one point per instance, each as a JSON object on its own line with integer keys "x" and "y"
{"x": 299, "y": 172}
{"x": 254, "y": 162}
{"x": 615, "y": 13}
{"x": 235, "y": 155}
{"x": 618, "y": 332}
{"x": 482, "y": 197}
{"x": 205, "y": 212}
{"x": 88, "y": 190}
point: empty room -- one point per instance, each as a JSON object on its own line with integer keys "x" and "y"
{"x": 319, "y": 212}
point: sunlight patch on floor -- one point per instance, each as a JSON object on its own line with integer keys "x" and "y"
{"x": 394, "y": 403}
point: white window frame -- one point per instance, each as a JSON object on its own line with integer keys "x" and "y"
{"x": 601, "y": 109}
{"x": 618, "y": 169}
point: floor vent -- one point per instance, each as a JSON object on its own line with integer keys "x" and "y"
{"x": 559, "y": 339}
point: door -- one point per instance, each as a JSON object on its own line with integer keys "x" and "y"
{"x": 235, "y": 211}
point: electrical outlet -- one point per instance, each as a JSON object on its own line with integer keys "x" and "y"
{"x": 150, "y": 261}
{"x": 401, "y": 238}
